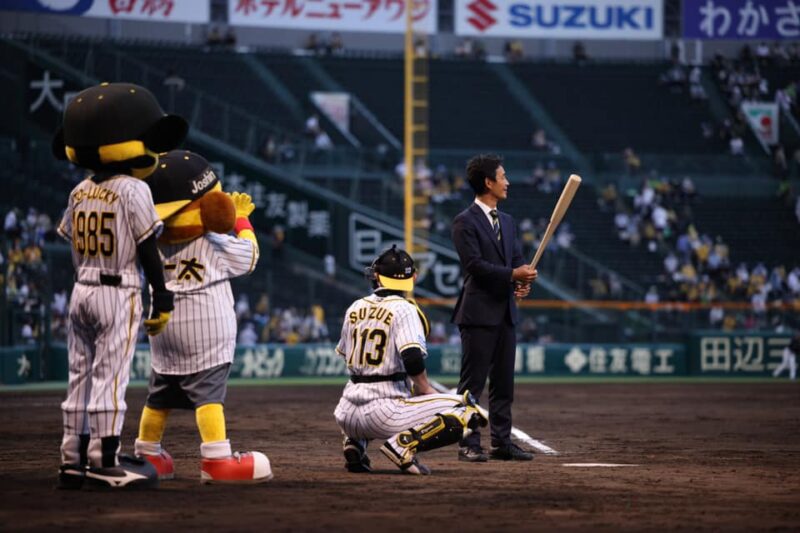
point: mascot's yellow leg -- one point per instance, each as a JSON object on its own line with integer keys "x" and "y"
{"x": 152, "y": 424}
{"x": 211, "y": 422}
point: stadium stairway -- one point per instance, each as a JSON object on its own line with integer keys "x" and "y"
{"x": 269, "y": 79}
{"x": 540, "y": 116}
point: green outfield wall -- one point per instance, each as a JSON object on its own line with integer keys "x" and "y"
{"x": 705, "y": 353}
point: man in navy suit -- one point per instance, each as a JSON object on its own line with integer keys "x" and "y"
{"x": 495, "y": 275}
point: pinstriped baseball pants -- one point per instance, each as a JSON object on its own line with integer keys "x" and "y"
{"x": 102, "y": 338}
{"x": 384, "y": 418}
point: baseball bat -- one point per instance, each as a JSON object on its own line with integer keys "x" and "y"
{"x": 559, "y": 210}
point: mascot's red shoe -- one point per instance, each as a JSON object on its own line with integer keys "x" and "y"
{"x": 163, "y": 463}
{"x": 246, "y": 467}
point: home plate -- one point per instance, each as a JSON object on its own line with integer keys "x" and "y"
{"x": 597, "y": 465}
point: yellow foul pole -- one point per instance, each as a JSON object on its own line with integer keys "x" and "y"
{"x": 408, "y": 138}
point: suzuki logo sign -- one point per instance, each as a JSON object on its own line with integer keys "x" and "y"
{"x": 561, "y": 19}
{"x": 481, "y": 14}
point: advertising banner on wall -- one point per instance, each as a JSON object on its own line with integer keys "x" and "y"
{"x": 382, "y": 16}
{"x": 741, "y": 19}
{"x": 763, "y": 120}
{"x": 270, "y": 361}
{"x": 561, "y": 19}
{"x": 336, "y": 107}
{"x": 193, "y": 11}
{"x": 706, "y": 353}
{"x": 738, "y": 353}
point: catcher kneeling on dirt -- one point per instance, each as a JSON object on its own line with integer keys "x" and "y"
{"x": 383, "y": 341}
{"x": 192, "y": 357}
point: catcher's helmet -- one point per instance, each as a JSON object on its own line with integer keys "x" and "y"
{"x": 394, "y": 269}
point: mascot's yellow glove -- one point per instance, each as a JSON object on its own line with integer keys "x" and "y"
{"x": 157, "y": 324}
{"x": 243, "y": 203}
{"x": 162, "y": 302}
{"x": 244, "y": 207}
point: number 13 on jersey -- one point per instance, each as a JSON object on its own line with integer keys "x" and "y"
{"x": 368, "y": 346}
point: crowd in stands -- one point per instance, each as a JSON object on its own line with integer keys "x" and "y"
{"x": 333, "y": 45}
{"x": 513, "y": 51}
{"x": 281, "y": 149}
{"x": 261, "y": 323}
{"x": 740, "y": 79}
{"x": 24, "y": 273}
{"x": 278, "y": 150}
{"x": 697, "y": 266}
{"x": 218, "y": 37}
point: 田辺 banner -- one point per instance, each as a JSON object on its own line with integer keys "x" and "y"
{"x": 193, "y": 11}
{"x": 382, "y": 16}
{"x": 561, "y": 19}
{"x": 741, "y": 19}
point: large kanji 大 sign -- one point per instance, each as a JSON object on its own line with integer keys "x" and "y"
{"x": 383, "y": 16}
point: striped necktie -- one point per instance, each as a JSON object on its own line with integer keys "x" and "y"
{"x": 495, "y": 223}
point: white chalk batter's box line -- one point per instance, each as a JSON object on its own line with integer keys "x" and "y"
{"x": 597, "y": 465}
{"x": 515, "y": 431}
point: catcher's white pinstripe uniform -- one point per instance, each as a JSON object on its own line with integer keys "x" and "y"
{"x": 105, "y": 222}
{"x": 376, "y": 330}
{"x": 202, "y": 331}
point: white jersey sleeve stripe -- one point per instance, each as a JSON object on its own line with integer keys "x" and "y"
{"x": 409, "y": 345}
{"x": 152, "y": 229}
{"x": 63, "y": 233}
{"x": 253, "y": 259}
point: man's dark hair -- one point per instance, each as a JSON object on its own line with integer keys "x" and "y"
{"x": 481, "y": 167}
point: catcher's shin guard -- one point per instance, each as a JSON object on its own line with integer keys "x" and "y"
{"x": 440, "y": 431}
{"x": 473, "y": 416}
{"x": 405, "y": 459}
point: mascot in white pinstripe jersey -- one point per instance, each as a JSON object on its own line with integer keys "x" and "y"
{"x": 192, "y": 359}
{"x": 383, "y": 342}
{"x": 116, "y": 131}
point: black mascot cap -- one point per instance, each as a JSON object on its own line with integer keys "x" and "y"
{"x": 181, "y": 178}
{"x": 116, "y": 126}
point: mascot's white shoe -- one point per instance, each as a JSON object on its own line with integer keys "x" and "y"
{"x": 246, "y": 467}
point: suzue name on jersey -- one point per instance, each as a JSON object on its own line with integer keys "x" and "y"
{"x": 372, "y": 313}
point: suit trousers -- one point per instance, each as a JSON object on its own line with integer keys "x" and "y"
{"x": 490, "y": 351}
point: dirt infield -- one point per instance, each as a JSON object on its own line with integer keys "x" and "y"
{"x": 710, "y": 456}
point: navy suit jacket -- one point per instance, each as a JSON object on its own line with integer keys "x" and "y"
{"x": 488, "y": 292}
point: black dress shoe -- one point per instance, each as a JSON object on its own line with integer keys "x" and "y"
{"x": 71, "y": 477}
{"x": 510, "y": 452}
{"x": 472, "y": 455}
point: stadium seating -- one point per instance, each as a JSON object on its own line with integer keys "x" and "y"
{"x": 755, "y": 229}
{"x": 473, "y": 111}
{"x": 605, "y": 108}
